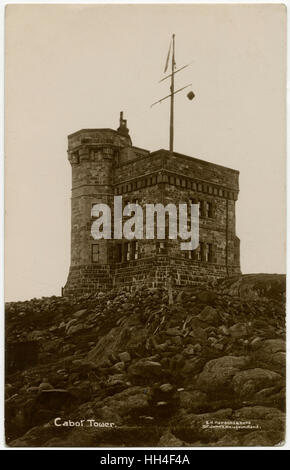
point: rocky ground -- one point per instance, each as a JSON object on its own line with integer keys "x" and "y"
{"x": 207, "y": 370}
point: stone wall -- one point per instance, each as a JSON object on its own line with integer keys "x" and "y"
{"x": 154, "y": 271}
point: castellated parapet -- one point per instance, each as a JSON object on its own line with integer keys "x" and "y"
{"x": 105, "y": 164}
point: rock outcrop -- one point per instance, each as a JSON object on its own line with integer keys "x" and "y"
{"x": 208, "y": 370}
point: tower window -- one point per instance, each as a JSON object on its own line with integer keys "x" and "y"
{"x": 201, "y": 252}
{"x": 200, "y": 208}
{"x": 119, "y": 253}
{"x": 95, "y": 253}
{"x": 205, "y": 252}
{"x": 134, "y": 249}
{"x": 126, "y": 252}
{"x": 210, "y": 210}
{"x": 210, "y": 253}
{"x": 198, "y": 252}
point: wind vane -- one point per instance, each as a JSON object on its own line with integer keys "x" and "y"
{"x": 190, "y": 95}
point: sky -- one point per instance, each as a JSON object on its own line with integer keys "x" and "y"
{"x": 69, "y": 67}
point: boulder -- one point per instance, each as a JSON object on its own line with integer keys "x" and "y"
{"x": 56, "y": 399}
{"x": 223, "y": 330}
{"x": 209, "y": 315}
{"x": 198, "y": 333}
{"x": 74, "y": 329}
{"x": 133, "y": 399}
{"x": 192, "y": 367}
{"x": 36, "y": 335}
{"x": 248, "y": 382}
{"x": 166, "y": 388}
{"x": 169, "y": 440}
{"x": 35, "y": 437}
{"x": 69, "y": 323}
{"x": 189, "y": 350}
{"x": 45, "y": 385}
{"x": 272, "y": 346}
{"x": 177, "y": 362}
{"x": 125, "y": 357}
{"x": 239, "y": 330}
{"x": 207, "y": 297}
{"x": 271, "y": 354}
{"x": 117, "y": 340}
{"x": 146, "y": 369}
{"x": 79, "y": 313}
{"x": 173, "y": 332}
{"x": 118, "y": 367}
{"x": 116, "y": 379}
{"x": 218, "y": 373}
{"x": 51, "y": 345}
{"x": 192, "y": 400}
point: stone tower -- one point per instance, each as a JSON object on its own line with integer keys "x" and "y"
{"x": 106, "y": 164}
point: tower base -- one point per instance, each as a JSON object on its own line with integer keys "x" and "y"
{"x": 147, "y": 272}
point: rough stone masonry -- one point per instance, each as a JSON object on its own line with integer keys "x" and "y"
{"x": 104, "y": 164}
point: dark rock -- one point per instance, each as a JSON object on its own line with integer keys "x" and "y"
{"x": 218, "y": 373}
{"x": 173, "y": 332}
{"x": 166, "y": 388}
{"x": 207, "y": 297}
{"x": 146, "y": 369}
{"x": 209, "y": 315}
{"x": 248, "y": 382}
{"x": 129, "y": 401}
{"x": 192, "y": 401}
{"x": 118, "y": 367}
{"x": 192, "y": 367}
{"x": 239, "y": 330}
{"x": 125, "y": 357}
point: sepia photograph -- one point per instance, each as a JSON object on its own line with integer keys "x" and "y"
{"x": 145, "y": 226}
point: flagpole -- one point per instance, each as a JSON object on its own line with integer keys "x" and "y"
{"x": 190, "y": 95}
{"x": 172, "y": 97}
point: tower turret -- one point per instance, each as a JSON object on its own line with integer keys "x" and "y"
{"x": 92, "y": 154}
